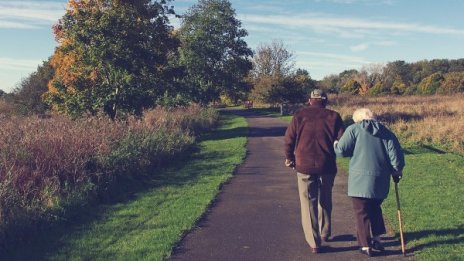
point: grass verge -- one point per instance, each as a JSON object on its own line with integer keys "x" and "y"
{"x": 148, "y": 224}
{"x": 431, "y": 196}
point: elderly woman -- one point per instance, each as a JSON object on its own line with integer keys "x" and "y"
{"x": 375, "y": 155}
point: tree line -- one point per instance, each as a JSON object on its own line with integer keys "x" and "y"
{"x": 125, "y": 56}
{"x": 122, "y": 57}
{"x": 438, "y": 76}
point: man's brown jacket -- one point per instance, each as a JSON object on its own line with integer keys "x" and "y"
{"x": 309, "y": 139}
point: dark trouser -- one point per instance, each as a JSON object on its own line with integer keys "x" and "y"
{"x": 369, "y": 219}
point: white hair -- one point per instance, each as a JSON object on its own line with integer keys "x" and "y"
{"x": 363, "y": 114}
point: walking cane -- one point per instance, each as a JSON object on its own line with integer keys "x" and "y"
{"x": 399, "y": 218}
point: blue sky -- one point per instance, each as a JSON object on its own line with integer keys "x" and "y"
{"x": 325, "y": 36}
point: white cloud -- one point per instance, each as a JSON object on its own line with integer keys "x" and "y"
{"x": 385, "y": 43}
{"x": 29, "y": 14}
{"x": 339, "y": 24}
{"x": 19, "y": 64}
{"x": 16, "y": 25}
{"x": 337, "y": 57}
{"x": 319, "y": 69}
{"x": 371, "y": 2}
{"x": 320, "y": 64}
{"x": 359, "y": 47}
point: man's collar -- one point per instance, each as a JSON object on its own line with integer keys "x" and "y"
{"x": 316, "y": 104}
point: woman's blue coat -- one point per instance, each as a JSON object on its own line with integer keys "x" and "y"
{"x": 375, "y": 154}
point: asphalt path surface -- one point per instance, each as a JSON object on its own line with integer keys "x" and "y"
{"x": 257, "y": 214}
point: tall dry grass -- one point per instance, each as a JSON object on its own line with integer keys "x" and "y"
{"x": 429, "y": 120}
{"x": 48, "y": 165}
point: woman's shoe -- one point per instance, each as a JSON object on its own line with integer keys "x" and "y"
{"x": 366, "y": 251}
{"x": 377, "y": 245}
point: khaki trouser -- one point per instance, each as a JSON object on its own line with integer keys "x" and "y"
{"x": 316, "y": 206}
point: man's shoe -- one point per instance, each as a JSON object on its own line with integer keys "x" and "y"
{"x": 366, "y": 252}
{"x": 325, "y": 239}
{"x": 377, "y": 245}
{"x": 314, "y": 250}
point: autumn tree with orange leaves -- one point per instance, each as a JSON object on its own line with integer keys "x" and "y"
{"x": 112, "y": 55}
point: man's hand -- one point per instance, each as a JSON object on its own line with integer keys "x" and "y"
{"x": 397, "y": 175}
{"x": 289, "y": 163}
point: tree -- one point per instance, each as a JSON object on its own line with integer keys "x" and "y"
{"x": 330, "y": 83}
{"x": 392, "y": 71}
{"x": 272, "y": 65}
{"x": 351, "y": 86}
{"x": 376, "y": 90}
{"x": 304, "y": 80}
{"x": 398, "y": 86}
{"x": 453, "y": 83}
{"x": 112, "y": 55}
{"x": 28, "y": 95}
{"x": 213, "y": 52}
{"x": 273, "y": 59}
{"x": 362, "y": 79}
{"x": 345, "y": 77}
{"x": 430, "y": 84}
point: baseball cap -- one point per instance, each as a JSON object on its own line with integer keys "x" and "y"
{"x": 318, "y": 94}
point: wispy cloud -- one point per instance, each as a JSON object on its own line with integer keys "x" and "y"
{"x": 25, "y": 65}
{"x": 338, "y": 24}
{"x": 337, "y": 57}
{"x": 321, "y": 64}
{"x": 385, "y": 43}
{"x": 370, "y": 2}
{"x": 29, "y": 14}
{"x": 16, "y": 25}
{"x": 359, "y": 47}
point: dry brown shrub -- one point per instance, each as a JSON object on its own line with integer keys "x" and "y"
{"x": 48, "y": 164}
{"x": 432, "y": 120}
{"x": 193, "y": 118}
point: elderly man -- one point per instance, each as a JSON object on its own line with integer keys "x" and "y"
{"x": 309, "y": 149}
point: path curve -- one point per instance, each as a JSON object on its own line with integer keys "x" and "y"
{"x": 256, "y": 216}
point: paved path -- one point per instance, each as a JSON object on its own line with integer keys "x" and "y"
{"x": 256, "y": 216}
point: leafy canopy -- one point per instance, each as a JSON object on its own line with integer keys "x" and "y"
{"x": 112, "y": 55}
{"x": 213, "y": 51}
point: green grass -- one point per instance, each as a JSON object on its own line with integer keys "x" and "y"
{"x": 147, "y": 225}
{"x": 431, "y": 195}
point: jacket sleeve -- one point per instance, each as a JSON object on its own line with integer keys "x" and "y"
{"x": 346, "y": 144}
{"x": 290, "y": 139}
{"x": 340, "y": 127}
{"x": 395, "y": 153}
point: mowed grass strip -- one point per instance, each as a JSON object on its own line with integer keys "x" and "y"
{"x": 431, "y": 196}
{"x": 147, "y": 226}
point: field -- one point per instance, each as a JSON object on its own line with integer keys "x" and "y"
{"x": 431, "y": 192}
{"x": 435, "y": 121}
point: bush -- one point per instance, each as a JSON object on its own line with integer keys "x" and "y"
{"x": 453, "y": 83}
{"x": 50, "y": 165}
{"x": 430, "y": 84}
